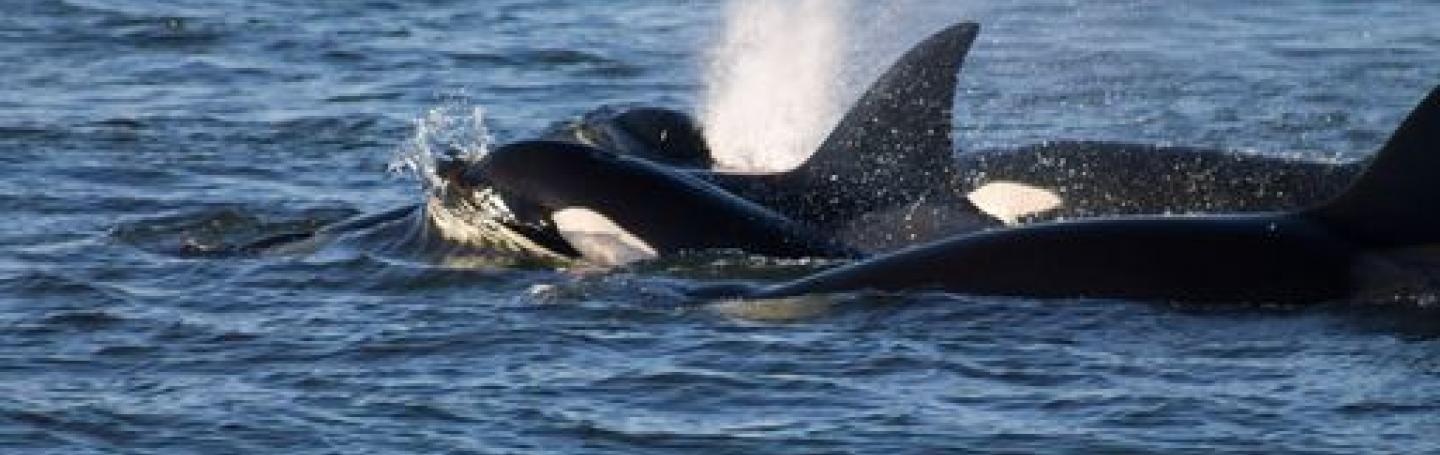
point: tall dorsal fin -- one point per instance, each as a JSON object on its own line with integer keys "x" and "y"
{"x": 1396, "y": 201}
{"x": 893, "y": 147}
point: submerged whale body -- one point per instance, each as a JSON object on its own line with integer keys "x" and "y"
{"x": 1374, "y": 240}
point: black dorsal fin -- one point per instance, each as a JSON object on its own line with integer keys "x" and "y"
{"x": 892, "y": 147}
{"x": 1396, "y": 201}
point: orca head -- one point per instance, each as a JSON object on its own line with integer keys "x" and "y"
{"x": 667, "y": 136}
{"x": 472, "y": 209}
{"x": 662, "y": 136}
{"x": 558, "y": 199}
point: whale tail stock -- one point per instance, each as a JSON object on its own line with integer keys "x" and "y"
{"x": 1396, "y": 200}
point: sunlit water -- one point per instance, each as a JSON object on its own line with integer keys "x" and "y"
{"x": 136, "y": 138}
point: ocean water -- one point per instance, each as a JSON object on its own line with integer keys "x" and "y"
{"x": 135, "y": 136}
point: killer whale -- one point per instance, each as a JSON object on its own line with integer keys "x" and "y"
{"x": 1376, "y": 239}
{"x": 890, "y": 175}
{"x": 1086, "y": 178}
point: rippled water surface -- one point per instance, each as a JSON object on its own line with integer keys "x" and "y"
{"x": 134, "y": 133}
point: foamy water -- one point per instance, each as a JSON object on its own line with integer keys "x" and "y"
{"x": 455, "y": 129}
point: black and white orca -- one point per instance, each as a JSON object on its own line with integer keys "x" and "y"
{"x": 890, "y": 175}
{"x": 1378, "y": 239}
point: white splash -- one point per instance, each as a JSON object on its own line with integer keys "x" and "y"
{"x": 772, "y": 91}
{"x": 470, "y": 217}
{"x": 453, "y": 130}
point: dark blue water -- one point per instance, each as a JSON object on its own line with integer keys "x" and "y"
{"x": 135, "y": 134}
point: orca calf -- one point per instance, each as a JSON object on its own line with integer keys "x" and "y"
{"x": 1377, "y": 239}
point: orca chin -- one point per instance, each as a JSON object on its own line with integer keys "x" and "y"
{"x": 1375, "y": 240}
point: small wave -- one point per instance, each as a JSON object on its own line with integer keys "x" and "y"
{"x": 546, "y": 59}
{"x": 31, "y": 132}
{"x": 87, "y": 319}
{"x": 362, "y": 97}
{"x": 53, "y": 284}
{"x": 777, "y": 310}
{"x": 171, "y": 32}
{"x": 340, "y": 126}
{"x": 534, "y": 57}
{"x": 140, "y": 28}
{"x": 64, "y": 8}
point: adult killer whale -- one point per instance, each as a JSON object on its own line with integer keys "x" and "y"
{"x": 1085, "y": 179}
{"x": 1377, "y": 239}
{"x": 890, "y": 176}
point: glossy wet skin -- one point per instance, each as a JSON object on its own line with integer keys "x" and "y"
{"x": 1254, "y": 259}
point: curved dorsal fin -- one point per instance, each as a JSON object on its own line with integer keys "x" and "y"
{"x": 893, "y": 147}
{"x": 1396, "y": 201}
